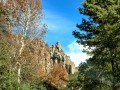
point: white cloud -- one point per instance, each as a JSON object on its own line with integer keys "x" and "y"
{"x": 76, "y": 54}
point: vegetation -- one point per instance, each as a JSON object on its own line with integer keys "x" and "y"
{"x": 100, "y": 33}
{"x": 18, "y": 21}
{"x": 21, "y": 48}
{"x": 73, "y": 83}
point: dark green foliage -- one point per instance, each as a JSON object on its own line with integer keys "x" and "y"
{"x": 5, "y": 82}
{"x": 3, "y": 66}
{"x": 41, "y": 86}
{"x": 7, "y": 77}
{"x": 92, "y": 77}
{"x": 73, "y": 82}
{"x": 100, "y": 32}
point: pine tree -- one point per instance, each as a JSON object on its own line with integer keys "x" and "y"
{"x": 101, "y": 31}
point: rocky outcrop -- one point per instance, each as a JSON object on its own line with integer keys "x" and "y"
{"x": 52, "y": 64}
{"x": 58, "y": 56}
{"x": 46, "y": 56}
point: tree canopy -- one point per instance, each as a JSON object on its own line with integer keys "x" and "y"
{"x": 100, "y": 32}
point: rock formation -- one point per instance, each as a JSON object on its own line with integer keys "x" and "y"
{"x": 58, "y": 56}
{"x": 50, "y": 61}
{"x": 47, "y": 56}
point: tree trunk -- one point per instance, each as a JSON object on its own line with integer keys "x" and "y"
{"x": 20, "y": 61}
{"x": 19, "y": 75}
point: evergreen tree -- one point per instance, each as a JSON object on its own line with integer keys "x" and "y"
{"x": 3, "y": 66}
{"x": 7, "y": 76}
{"x": 101, "y": 31}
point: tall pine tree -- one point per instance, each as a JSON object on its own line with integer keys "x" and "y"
{"x": 101, "y": 31}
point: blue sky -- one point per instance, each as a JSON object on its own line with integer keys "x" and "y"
{"x": 61, "y": 17}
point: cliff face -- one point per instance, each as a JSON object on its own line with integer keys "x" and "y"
{"x": 58, "y": 56}
{"x": 47, "y": 56}
{"x": 52, "y": 63}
